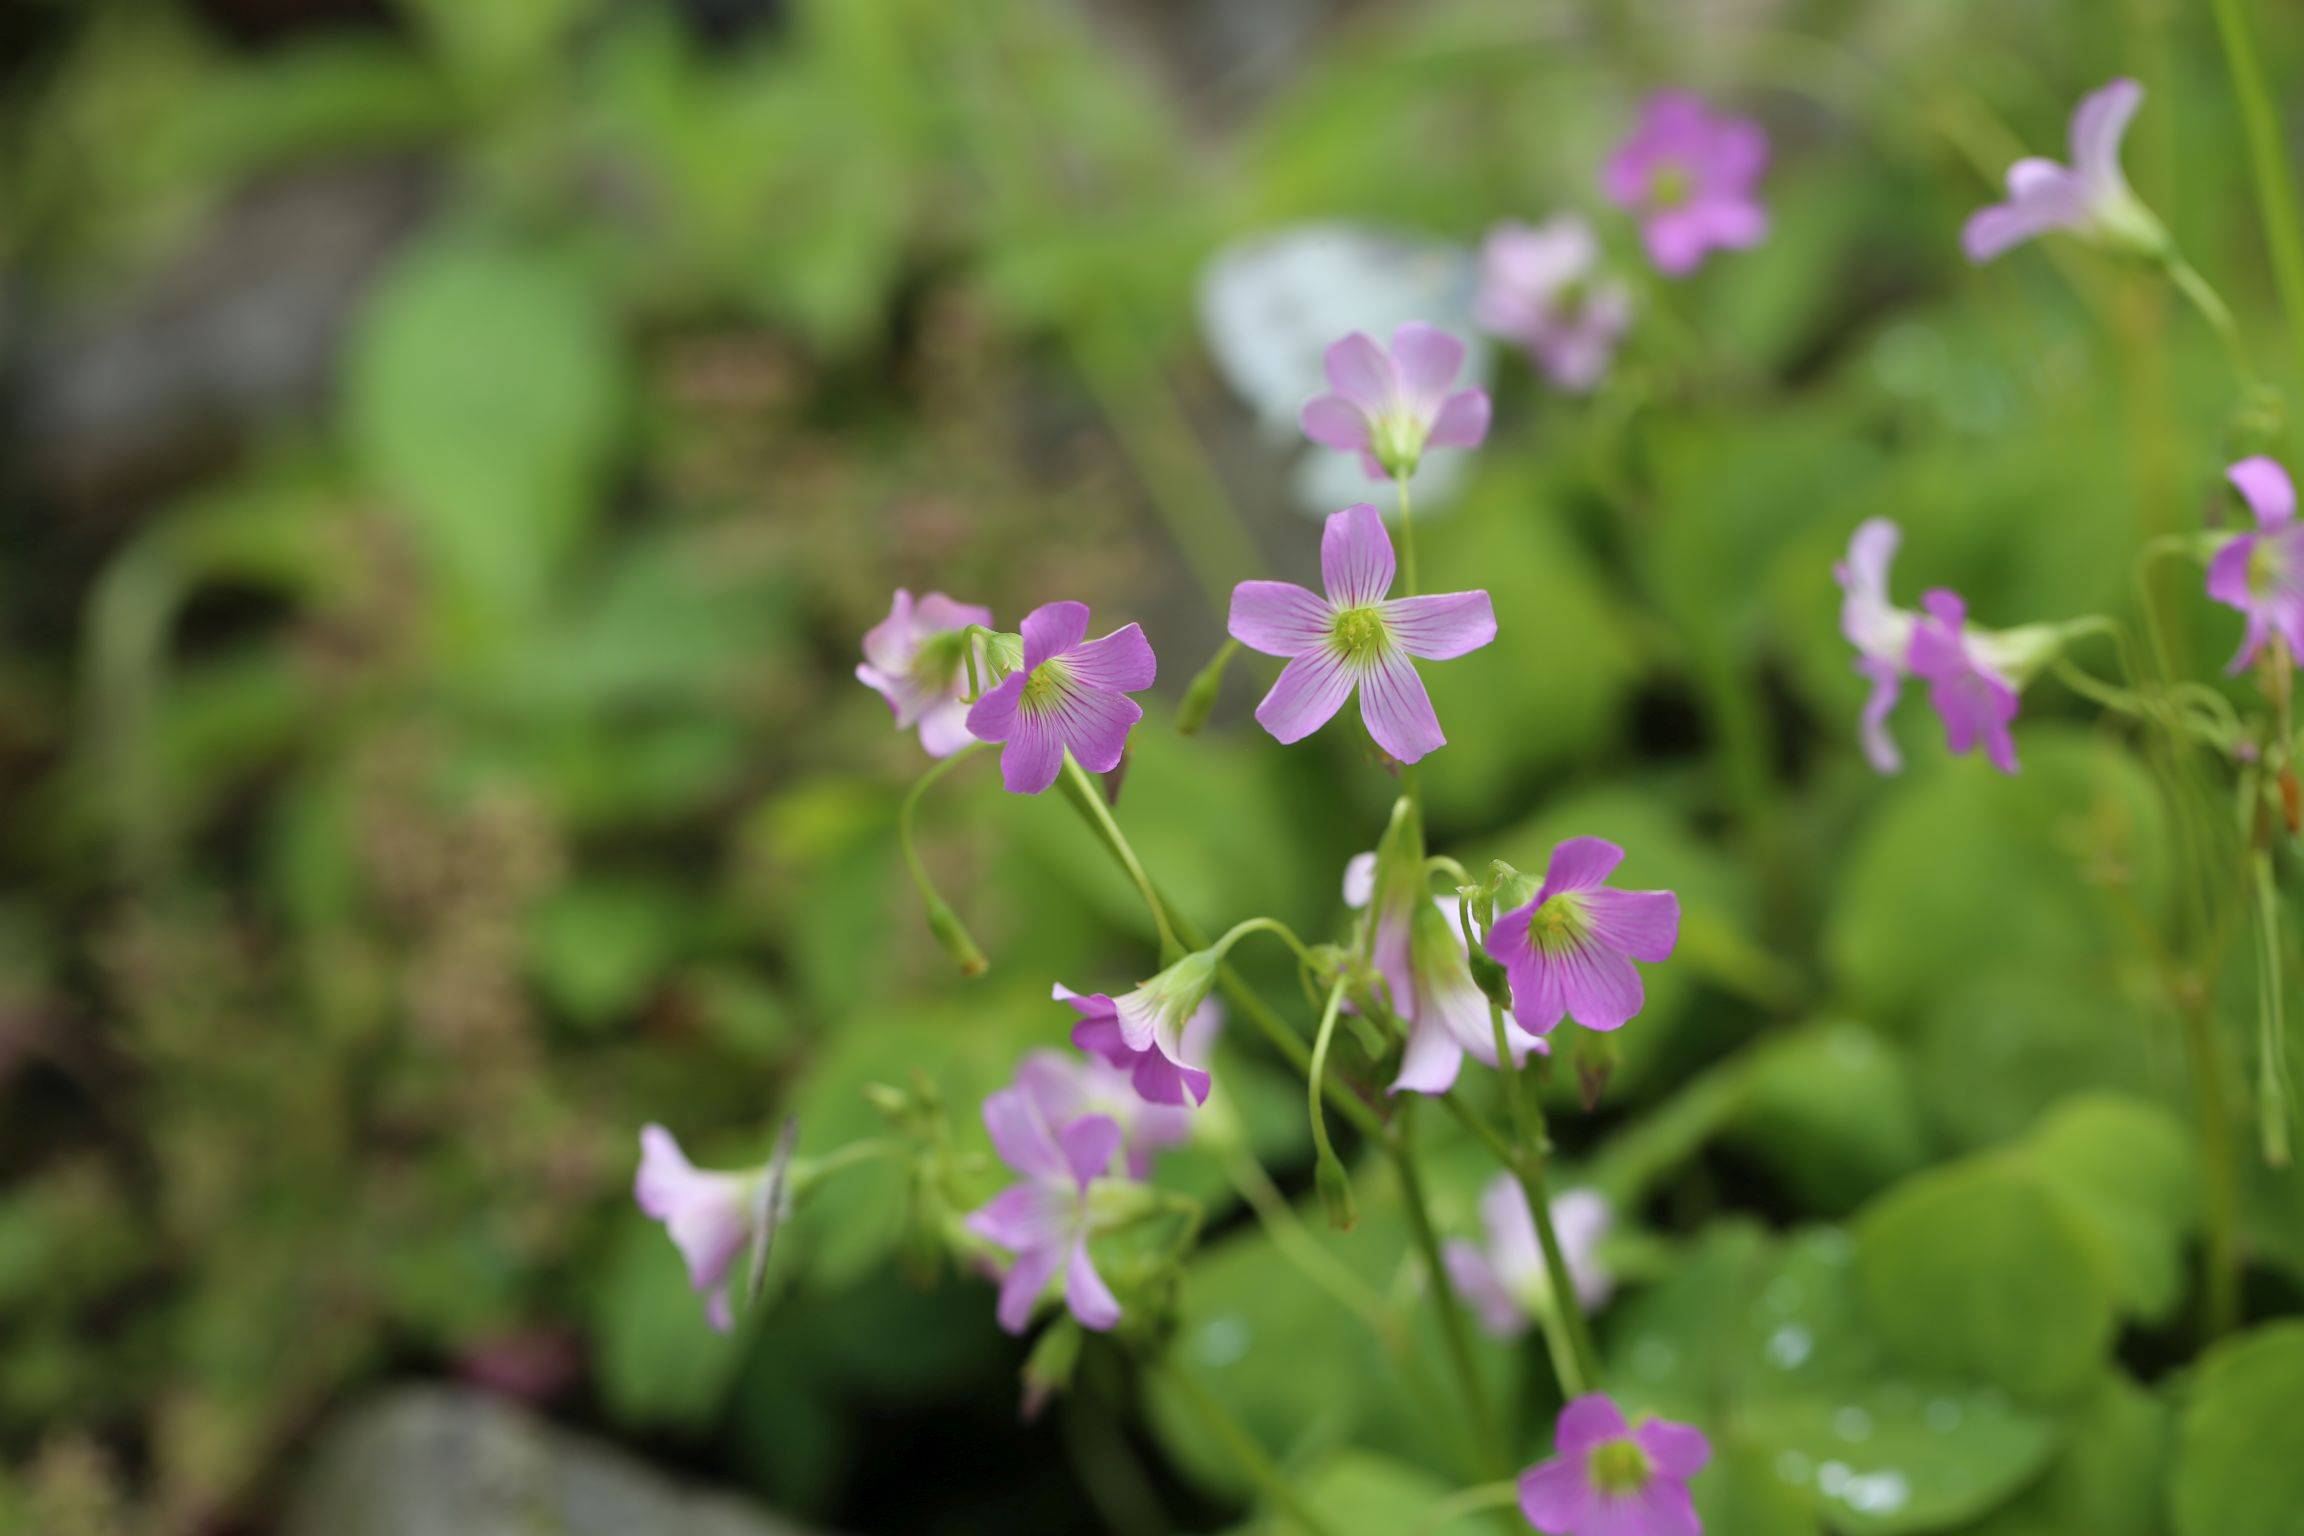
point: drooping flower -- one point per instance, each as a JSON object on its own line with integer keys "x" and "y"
{"x": 1974, "y": 675}
{"x": 1069, "y": 1086}
{"x": 1569, "y": 951}
{"x": 1069, "y": 696}
{"x": 1606, "y": 1478}
{"x": 1417, "y": 946}
{"x": 916, "y": 659}
{"x": 1388, "y": 407}
{"x": 1969, "y": 694}
{"x": 1045, "y": 1220}
{"x": 1542, "y": 289}
{"x": 1148, "y": 1030}
{"x": 711, "y": 1217}
{"x": 1355, "y": 637}
{"x": 1505, "y": 1280}
{"x": 1692, "y": 177}
{"x": 2090, "y": 199}
{"x": 2262, "y": 573}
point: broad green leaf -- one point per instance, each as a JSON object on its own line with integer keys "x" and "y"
{"x": 1361, "y": 1493}
{"x": 2237, "y": 1472}
{"x": 2129, "y": 1168}
{"x": 659, "y": 1364}
{"x": 2110, "y": 1479}
{"x": 1984, "y": 1269}
{"x": 1835, "y": 1114}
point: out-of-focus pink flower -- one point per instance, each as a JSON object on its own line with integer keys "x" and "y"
{"x": 1069, "y": 696}
{"x": 916, "y": 659}
{"x": 1969, "y": 694}
{"x": 1505, "y": 1280}
{"x": 2262, "y": 573}
{"x": 2091, "y": 198}
{"x": 1388, "y": 407}
{"x": 1692, "y": 177}
{"x": 1148, "y": 1030}
{"x": 1608, "y": 1479}
{"x": 1046, "y": 1219}
{"x": 1103, "y": 1079}
{"x": 1541, "y": 288}
{"x": 1356, "y": 638}
{"x": 711, "y": 1216}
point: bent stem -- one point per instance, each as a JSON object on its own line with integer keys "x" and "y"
{"x": 942, "y": 920}
{"x": 1444, "y": 1301}
{"x": 1081, "y": 790}
{"x": 2212, "y": 309}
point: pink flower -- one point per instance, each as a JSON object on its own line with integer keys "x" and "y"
{"x": 1693, "y": 180}
{"x": 1148, "y": 1031}
{"x": 1388, "y": 407}
{"x": 1608, "y": 1479}
{"x": 1506, "y": 1282}
{"x": 1972, "y": 697}
{"x": 711, "y": 1216}
{"x": 2091, "y": 199}
{"x": 1045, "y": 1221}
{"x": 1355, "y": 638}
{"x": 2262, "y": 573}
{"x": 1880, "y": 631}
{"x": 1418, "y": 948}
{"x": 1541, "y": 289}
{"x": 916, "y": 659}
{"x": 1569, "y": 952}
{"x": 1104, "y": 1080}
{"x": 1069, "y": 696}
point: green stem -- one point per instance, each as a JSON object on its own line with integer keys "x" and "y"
{"x": 1317, "y": 1074}
{"x": 1271, "y": 925}
{"x": 1407, "y": 536}
{"x": 2220, "y": 1175}
{"x": 1453, "y": 1327}
{"x": 2212, "y": 309}
{"x": 2268, "y": 158}
{"x": 1083, "y": 793}
{"x": 1244, "y": 1448}
{"x": 1472, "y": 1501}
{"x": 2271, "y": 1024}
{"x": 1566, "y": 1330}
{"x": 942, "y": 920}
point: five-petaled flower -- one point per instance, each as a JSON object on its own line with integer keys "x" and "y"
{"x": 2262, "y": 573}
{"x": 1569, "y": 951}
{"x": 1355, "y": 637}
{"x": 1069, "y": 696}
{"x": 917, "y": 659}
{"x": 1692, "y": 176}
{"x": 1045, "y": 1221}
{"x": 1417, "y": 946}
{"x": 711, "y": 1217}
{"x": 1541, "y": 289}
{"x": 1973, "y": 698}
{"x": 2090, "y": 198}
{"x": 1388, "y": 407}
{"x": 1608, "y": 1479}
{"x": 1154, "y": 1031}
{"x": 1505, "y": 1280}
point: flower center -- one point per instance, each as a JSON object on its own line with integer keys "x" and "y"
{"x": 1671, "y": 184}
{"x": 1619, "y": 1467}
{"x": 1359, "y": 633}
{"x": 1045, "y": 687}
{"x": 938, "y": 660}
{"x": 2267, "y": 568}
{"x": 1396, "y": 438}
{"x": 1559, "y": 924}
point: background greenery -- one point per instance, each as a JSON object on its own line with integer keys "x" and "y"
{"x": 454, "y": 449}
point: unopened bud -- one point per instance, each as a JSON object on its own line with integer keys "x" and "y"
{"x": 1492, "y": 979}
{"x": 1596, "y": 1058}
{"x": 1048, "y": 1369}
{"x": 1336, "y": 1193}
{"x": 1200, "y": 697}
{"x": 954, "y": 936}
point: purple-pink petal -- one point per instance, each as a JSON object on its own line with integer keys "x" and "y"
{"x": 1397, "y": 710}
{"x": 1028, "y": 1275}
{"x": 1587, "y": 1423}
{"x": 2098, "y": 125}
{"x": 1021, "y": 1217}
{"x": 1579, "y": 864}
{"x": 1427, "y": 360}
{"x": 1359, "y": 371}
{"x": 2270, "y": 494}
{"x": 1022, "y": 1135}
{"x": 1356, "y": 563}
{"x": 1642, "y": 924}
{"x": 1442, "y": 626}
{"x": 1095, "y": 725}
{"x": 993, "y": 716}
{"x": 1306, "y": 696}
{"x": 1599, "y": 987}
{"x": 1034, "y": 754}
{"x": 1052, "y": 629}
{"x": 1557, "y": 1496}
{"x": 1432, "y": 1061}
{"x": 1476, "y": 1281}
{"x": 1085, "y": 1292}
{"x": 1335, "y": 422}
{"x": 1121, "y": 661}
{"x": 1887, "y": 684}
{"x": 1677, "y": 1450}
{"x": 1462, "y": 421}
{"x": 1279, "y": 618}
{"x": 1088, "y": 1144}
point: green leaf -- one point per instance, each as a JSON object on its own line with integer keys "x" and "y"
{"x": 2110, "y": 1479}
{"x": 2128, "y": 1167}
{"x": 1984, "y": 1269}
{"x": 1360, "y": 1493}
{"x": 601, "y": 946}
{"x": 484, "y": 398}
{"x": 659, "y": 1363}
{"x": 2237, "y": 1471}
{"x": 1834, "y": 1113}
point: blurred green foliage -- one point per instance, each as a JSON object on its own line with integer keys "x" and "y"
{"x": 414, "y": 791}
